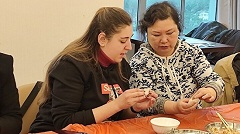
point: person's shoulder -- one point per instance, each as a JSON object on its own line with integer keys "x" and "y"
{"x": 142, "y": 57}
{"x": 71, "y": 62}
{"x": 6, "y": 61}
{"x": 186, "y": 46}
{"x": 5, "y": 58}
{"x": 6, "y": 64}
{"x": 144, "y": 51}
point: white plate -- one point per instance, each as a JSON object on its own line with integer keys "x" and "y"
{"x": 188, "y": 131}
{"x": 219, "y": 125}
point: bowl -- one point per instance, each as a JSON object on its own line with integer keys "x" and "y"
{"x": 163, "y": 125}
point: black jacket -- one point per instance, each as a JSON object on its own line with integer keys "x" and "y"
{"x": 207, "y": 30}
{"x": 76, "y": 90}
{"x": 10, "y": 117}
{"x": 236, "y": 68}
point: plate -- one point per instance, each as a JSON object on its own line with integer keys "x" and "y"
{"x": 188, "y": 131}
{"x": 68, "y": 132}
{"x": 218, "y": 126}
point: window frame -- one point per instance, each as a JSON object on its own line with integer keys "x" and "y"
{"x": 142, "y": 8}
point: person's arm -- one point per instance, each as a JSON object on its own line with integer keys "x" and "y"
{"x": 110, "y": 109}
{"x": 67, "y": 98}
{"x": 203, "y": 73}
{"x": 166, "y": 106}
{"x": 130, "y": 101}
{"x": 157, "y": 108}
{"x": 182, "y": 106}
{"x": 10, "y": 116}
{"x": 143, "y": 76}
{"x": 66, "y": 112}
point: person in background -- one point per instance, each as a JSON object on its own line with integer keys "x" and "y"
{"x": 87, "y": 82}
{"x": 10, "y": 116}
{"x": 174, "y": 69}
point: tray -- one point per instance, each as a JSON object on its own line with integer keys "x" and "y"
{"x": 219, "y": 126}
{"x": 188, "y": 131}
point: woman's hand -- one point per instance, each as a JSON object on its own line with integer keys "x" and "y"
{"x": 130, "y": 97}
{"x": 185, "y": 106}
{"x": 147, "y": 102}
{"x": 136, "y": 98}
{"x": 124, "y": 101}
{"x": 207, "y": 94}
{"x": 182, "y": 106}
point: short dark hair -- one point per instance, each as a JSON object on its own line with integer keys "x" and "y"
{"x": 159, "y": 11}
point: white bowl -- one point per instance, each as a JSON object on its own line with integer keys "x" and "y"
{"x": 163, "y": 125}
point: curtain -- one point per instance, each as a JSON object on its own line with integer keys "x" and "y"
{"x": 228, "y": 13}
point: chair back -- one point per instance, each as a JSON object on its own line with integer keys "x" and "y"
{"x": 33, "y": 109}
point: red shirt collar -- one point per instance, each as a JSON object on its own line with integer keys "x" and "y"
{"x": 103, "y": 59}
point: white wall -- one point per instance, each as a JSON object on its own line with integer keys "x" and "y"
{"x": 34, "y": 31}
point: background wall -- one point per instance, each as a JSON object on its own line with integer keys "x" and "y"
{"x": 34, "y": 31}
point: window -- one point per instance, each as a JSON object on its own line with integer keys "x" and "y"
{"x": 131, "y": 6}
{"x": 193, "y": 12}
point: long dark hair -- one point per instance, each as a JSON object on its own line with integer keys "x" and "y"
{"x": 109, "y": 20}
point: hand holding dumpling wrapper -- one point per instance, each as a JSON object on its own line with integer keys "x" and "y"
{"x": 193, "y": 100}
{"x": 147, "y": 91}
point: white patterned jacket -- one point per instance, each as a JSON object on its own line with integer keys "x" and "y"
{"x": 174, "y": 77}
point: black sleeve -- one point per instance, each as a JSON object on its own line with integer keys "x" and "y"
{"x": 10, "y": 116}
{"x": 67, "y": 92}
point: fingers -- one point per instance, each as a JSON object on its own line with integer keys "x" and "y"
{"x": 152, "y": 95}
{"x": 198, "y": 94}
{"x": 188, "y": 110}
{"x": 191, "y": 109}
{"x": 134, "y": 93}
{"x": 207, "y": 94}
{"x": 145, "y": 103}
{"x": 133, "y": 96}
{"x": 185, "y": 100}
{"x": 140, "y": 92}
{"x": 208, "y": 98}
{"x": 185, "y": 107}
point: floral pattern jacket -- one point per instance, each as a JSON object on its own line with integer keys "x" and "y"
{"x": 174, "y": 77}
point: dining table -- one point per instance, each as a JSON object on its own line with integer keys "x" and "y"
{"x": 208, "y": 46}
{"x": 197, "y": 120}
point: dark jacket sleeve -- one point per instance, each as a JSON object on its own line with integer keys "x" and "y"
{"x": 10, "y": 117}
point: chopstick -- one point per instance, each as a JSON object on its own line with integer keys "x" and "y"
{"x": 224, "y": 122}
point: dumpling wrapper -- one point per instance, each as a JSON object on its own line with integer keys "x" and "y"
{"x": 193, "y": 100}
{"x": 147, "y": 91}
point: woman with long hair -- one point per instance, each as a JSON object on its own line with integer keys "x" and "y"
{"x": 87, "y": 82}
